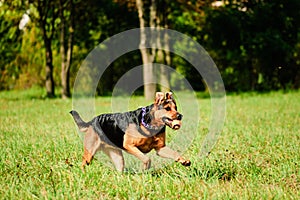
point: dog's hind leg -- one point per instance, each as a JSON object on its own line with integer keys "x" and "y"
{"x": 91, "y": 145}
{"x": 116, "y": 157}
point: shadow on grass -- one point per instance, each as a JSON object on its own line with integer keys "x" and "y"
{"x": 222, "y": 172}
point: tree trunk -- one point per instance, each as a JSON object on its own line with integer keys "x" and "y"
{"x": 162, "y": 44}
{"x": 66, "y": 50}
{"x": 147, "y": 54}
{"x": 164, "y": 74}
{"x": 156, "y": 21}
{"x": 163, "y": 56}
{"x": 44, "y": 8}
{"x": 50, "y": 87}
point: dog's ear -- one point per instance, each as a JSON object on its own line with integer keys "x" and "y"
{"x": 159, "y": 97}
{"x": 169, "y": 95}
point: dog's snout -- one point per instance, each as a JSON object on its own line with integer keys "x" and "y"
{"x": 179, "y": 116}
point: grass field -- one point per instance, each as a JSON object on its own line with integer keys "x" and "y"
{"x": 256, "y": 157}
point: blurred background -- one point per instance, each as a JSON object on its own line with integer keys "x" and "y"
{"x": 254, "y": 43}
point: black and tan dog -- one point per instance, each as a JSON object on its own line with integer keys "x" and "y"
{"x": 136, "y": 132}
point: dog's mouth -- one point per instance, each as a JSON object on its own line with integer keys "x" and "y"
{"x": 174, "y": 124}
{"x": 167, "y": 120}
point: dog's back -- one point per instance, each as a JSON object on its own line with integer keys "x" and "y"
{"x": 110, "y": 126}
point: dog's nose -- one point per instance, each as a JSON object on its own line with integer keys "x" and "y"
{"x": 179, "y": 116}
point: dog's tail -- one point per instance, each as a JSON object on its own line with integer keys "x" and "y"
{"x": 82, "y": 125}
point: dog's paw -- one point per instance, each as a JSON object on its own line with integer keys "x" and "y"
{"x": 186, "y": 163}
{"x": 147, "y": 164}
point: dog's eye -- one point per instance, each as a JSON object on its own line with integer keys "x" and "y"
{"x": 168, "y": 109}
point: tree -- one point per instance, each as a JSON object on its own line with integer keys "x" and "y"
{"x": 10, "y": 43}
{"x": 46, "y": 20}
{"x": 147, "y": 54}
{"x": 253, "y": 43}
{"x": 157, "y": 19}
{"x": 162, "y": 42}
{"x": 66, "y": 44}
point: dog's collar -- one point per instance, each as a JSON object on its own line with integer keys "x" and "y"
{"x": 148, "y": 126}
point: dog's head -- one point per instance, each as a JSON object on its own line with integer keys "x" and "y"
{"x": 167, "y": 110}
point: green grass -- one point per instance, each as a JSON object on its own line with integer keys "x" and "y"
{"x": 256, "y": 157}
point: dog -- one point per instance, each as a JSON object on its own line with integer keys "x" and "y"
{"x": 135, "y": 132}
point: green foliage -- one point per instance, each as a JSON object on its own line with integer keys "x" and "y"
{"x": 255, "y": 44}
{"x": 256, "y": 157}
{"x": 33, "y": 62}
{"x": 10, "y": 43}
{"x": 255, "y": 40}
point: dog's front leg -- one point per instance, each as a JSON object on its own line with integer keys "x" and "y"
{"x": 131, "y": 141}
{"x": 137, "y": 153}
{"x": 166, "y": 152}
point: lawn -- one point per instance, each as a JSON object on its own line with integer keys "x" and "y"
{"x": 256, "y": 157}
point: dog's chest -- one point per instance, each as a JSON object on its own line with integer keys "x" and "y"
{"x": 145, "y": 145}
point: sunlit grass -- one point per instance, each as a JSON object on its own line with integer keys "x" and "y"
{"x": 256, "y": 157}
